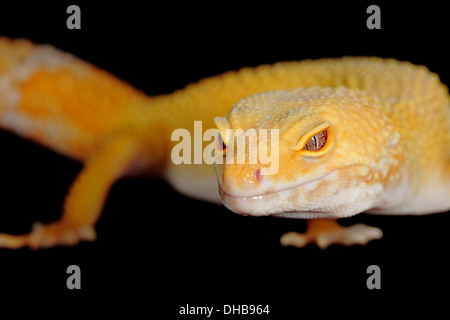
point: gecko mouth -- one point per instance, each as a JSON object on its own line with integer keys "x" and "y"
{"x": 282, "y": 203}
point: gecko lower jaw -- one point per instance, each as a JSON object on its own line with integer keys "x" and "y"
{"x": 267, "y": 205}
{"x": 277, "y": 203}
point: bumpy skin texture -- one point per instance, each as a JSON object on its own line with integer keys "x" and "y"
{"x": 389, "y": 151}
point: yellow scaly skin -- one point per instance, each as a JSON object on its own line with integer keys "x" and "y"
{"x": 389, "y": 152}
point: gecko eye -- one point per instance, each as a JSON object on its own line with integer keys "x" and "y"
{"x": 315, "y": 142}
{"x": 223, "y": 127}
{"x": 220, "y": 144}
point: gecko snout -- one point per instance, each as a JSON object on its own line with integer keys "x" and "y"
{"x": 242, "y": 180}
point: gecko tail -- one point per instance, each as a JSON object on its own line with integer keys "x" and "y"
{"x": 56, "y": 99}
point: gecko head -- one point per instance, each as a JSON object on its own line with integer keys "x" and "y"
{"x": 305, "y": 153}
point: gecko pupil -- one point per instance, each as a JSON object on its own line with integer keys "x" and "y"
{"x": 316, "y": 142}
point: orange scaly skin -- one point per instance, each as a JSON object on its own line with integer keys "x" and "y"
{"x": 78, "y": 110}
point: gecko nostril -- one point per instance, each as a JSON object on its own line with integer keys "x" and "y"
{"x": 258, "y": 175}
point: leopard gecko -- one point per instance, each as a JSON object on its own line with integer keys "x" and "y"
{"x": 355, "y": 134}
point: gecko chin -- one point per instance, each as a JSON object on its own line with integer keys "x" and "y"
{"x": 290, "y": 202}
{"x": 273, "y": 204}
{"x": 321, "y": 198}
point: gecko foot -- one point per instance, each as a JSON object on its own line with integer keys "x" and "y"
{"x": 48, "y": 235}
{"x": 327, "y": 232}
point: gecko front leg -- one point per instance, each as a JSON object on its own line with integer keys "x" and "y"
{"x": 327, "y": 232}
{"x": 84, "y": 203}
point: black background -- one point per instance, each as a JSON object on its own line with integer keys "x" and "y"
{"x": 157, "y": 250}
